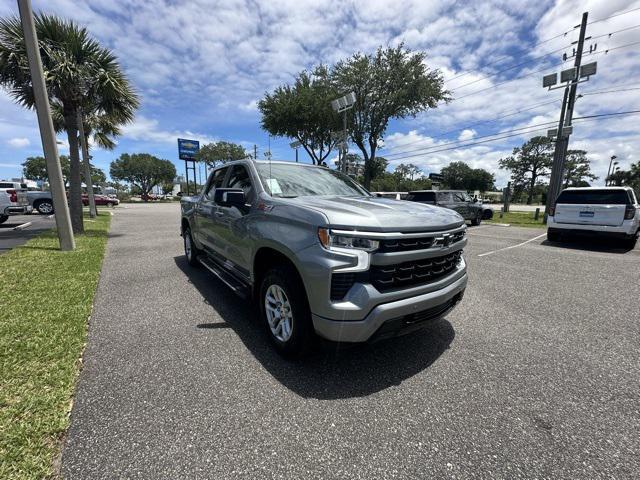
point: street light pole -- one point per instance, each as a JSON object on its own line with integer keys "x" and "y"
{"x": 47, "y": 134}
{"x": 606, "y": 180}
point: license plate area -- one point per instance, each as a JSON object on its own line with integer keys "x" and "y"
{"x": 587, "y": 214}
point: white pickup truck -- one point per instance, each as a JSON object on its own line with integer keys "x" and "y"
{"x": 13, "y": 200}
{"x": 604, "y": 211}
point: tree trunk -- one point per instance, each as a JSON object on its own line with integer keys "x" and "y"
{"x": 87, "y": 166}
{"x": 531, "y": 187}
{"x": 75, "y": 177}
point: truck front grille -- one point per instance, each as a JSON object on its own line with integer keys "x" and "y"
{"x": 417, "y": 272}
{"x": 408, "y": 244}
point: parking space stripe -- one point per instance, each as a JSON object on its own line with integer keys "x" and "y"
{"x": 512, "y": 246}
{"x": 23, "y": 226}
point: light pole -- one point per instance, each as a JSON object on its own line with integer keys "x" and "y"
{"x": 606, "y": 180}
{"x": 47, "y": 134}
{"x": 341, "y": 105}
{"x": 296, "y": 145}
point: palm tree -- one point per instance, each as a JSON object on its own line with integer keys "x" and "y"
{"x": 81, "y": 77}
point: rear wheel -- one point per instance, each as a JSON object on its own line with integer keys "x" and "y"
{"x": 284, "y": 310}
{"x": 631, "y": 241}
{"x": 553, "y": 236}
{"x": 44, "y": 207}
{"x": 190, "y": 250}
{"x": 476, "y": 221}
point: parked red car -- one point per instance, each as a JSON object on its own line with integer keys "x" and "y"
{"x": 101, "y": 200}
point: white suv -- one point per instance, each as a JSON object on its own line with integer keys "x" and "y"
{"x": 604, "y": 211}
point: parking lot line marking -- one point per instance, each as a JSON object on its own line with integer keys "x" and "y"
{"x": 111, "y": 213}
{"x": 512, "y": 246}
{"x": 52, "y": 215}
{"x": 23, "y": 226}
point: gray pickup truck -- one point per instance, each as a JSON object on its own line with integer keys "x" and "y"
{"x": 320, "y": 256}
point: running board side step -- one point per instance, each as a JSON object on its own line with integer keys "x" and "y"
{"x": 238, "y": 287}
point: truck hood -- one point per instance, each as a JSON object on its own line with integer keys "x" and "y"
{"x": 380, "y": 214}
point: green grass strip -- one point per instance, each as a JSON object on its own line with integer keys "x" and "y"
{"x": 46, "y": 297}
{"x": 519, "y": 219}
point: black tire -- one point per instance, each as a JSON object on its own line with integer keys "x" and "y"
{"x": 301, "y": 331}
{"x": 478, "y": 220}
{"x": 4, "y": 218}
{"x": 553, "y": 236}
{"x": 631, "y": 242}
{"x": 44, "y": 207}
{"x": 110, "y": 204}
{"x": 190, "y": 250}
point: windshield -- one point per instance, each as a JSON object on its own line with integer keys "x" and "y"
{"x": 594, "y": 197}
{"x": 288, "y": 181}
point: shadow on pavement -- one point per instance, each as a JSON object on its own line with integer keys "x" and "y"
{"x": 332, "y": 371}
{"x": 591, "y": 244}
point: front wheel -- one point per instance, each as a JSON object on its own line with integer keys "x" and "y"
{"x": 190, "y": 250}
{"x": 285, "y": 311}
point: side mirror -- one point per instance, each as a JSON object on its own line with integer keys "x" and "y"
{"x": 229, "y": 197}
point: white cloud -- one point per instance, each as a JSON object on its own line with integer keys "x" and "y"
{"x": 148, "y": 130}
{"x": 19, "y": 142}
{"x": 467, "y": 134}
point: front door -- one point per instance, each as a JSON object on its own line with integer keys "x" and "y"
{"x": 206, "y": 211}
{"x": 231, "y": 224}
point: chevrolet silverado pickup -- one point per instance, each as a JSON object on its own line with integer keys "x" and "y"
{"x": 319, "y": 255}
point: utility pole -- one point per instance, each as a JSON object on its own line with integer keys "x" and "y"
{"x": 255, "y": 151}
{"x": 609, "y": 172}
{"x": 93, "y": 212}
{"x": 573, "y": 76}
{"x": 47, "y": 134}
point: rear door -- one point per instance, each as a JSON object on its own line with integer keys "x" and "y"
{"x": 603, "y": 207}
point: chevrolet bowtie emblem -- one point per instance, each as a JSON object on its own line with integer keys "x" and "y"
{"x": 444, "y": 240}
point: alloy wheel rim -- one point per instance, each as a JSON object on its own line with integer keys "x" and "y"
{"x": 45, "y": 207}
{"x": 279, "y": 313}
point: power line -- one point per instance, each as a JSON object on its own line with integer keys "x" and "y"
{"x": 611, "y": 91}
{"x": 543, "y": 69}
{"x": 530, "y": 129}
{"x": 565, "y": 33}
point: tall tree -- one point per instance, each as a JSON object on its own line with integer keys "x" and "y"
{"x": 220, "y": 152}
{"x": 456, "y": 175}
{"x": 530, "y": 163}
{"x": 302, "y": 111}
{"x": 143, "y": 171}
{"x": 577, "y": 169}
{"x": 35, "y": 168}
{"x": 393, "y": 83}
{"x": 78, "y": 72}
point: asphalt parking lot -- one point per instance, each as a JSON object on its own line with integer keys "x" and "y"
{"x": 18, "y": 229}
{"x": 534, "y": 375}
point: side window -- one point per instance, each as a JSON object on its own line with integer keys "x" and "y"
{"x": 459, "y": 197}
{"x": 240, "y": 179}
{"x": 217, "y": 178}
{"x": 445, "y": 197}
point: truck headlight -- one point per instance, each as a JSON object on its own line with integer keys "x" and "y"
{"x": 329, "y": 240}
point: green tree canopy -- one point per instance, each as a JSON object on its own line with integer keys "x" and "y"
{"x": 80, "y": 75}
{"x": 577, "y": 169}
{"x": 220, "y": 152}
{"x": 393, "y": 83}
{"x": 142, "y": 170}
{"x": 529, "y": 164}
{"x": 460, "y": 176}
{"x": 302, "y": 111}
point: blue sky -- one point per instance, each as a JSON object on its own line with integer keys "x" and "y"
{"x": 201, "y": 66}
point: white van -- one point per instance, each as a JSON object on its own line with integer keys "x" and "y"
{"x": 603, "y": 211}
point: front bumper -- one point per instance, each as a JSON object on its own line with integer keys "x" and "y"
{"x": 393, "y": 318}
